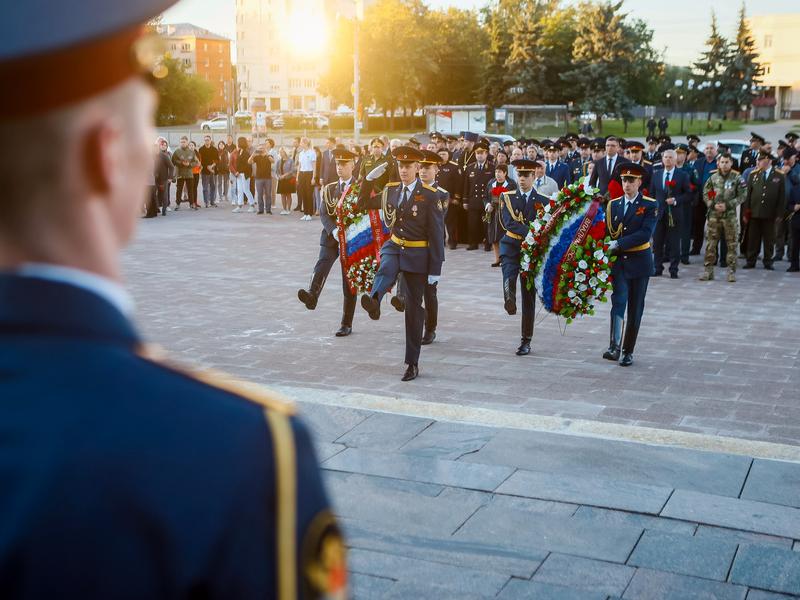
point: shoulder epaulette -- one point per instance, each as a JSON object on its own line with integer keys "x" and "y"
{"x": 430, "y": 187}
{"x": 649, "y": 198}
{"x": 646, "y": 162}
{"x": 222, "y": 381}
{"x": 615, "y": 199}
{"x": 441, "y": 189}
{"x": 391, "y": 184}
{"x": 712, "y": 171}
{"x": 452, "y": 162}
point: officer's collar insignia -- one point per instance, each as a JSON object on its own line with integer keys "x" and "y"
{"x": 324, "y": 559}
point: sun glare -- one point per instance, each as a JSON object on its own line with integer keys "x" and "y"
{"x": 307, "y": 34}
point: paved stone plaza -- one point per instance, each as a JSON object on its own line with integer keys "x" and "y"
{"x": 557, "y": 475}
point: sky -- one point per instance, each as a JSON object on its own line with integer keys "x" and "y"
{"x": 680, "y": 26}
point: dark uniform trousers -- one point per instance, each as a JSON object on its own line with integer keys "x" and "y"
{"x": 510, "y": 250}
{"x": 667, "y": 240}
{"x": 794, "y": 243}
{"x": 758, "y": 231}
{"x": 634, "y": 265}
{"x": 416, "y": 220}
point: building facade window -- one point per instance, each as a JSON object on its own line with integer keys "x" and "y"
{"x": 187, "y": 62}
{"x": 186, "y": 47}
{"x": 274, "y": 68}
{"x": 205, "y": 46}
{"x": 767, "y": 41}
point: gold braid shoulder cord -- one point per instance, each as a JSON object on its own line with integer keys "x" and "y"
{"x": 614, "y": 233}
{"x": 389, "y": 213}
{"x": 330, "y": 203}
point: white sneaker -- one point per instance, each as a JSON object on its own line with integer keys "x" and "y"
{"x": 237, "y": 209}
{"x": 251, "y": 209}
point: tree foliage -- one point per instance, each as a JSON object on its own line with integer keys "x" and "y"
{"x": 711, "y": 67}
{"x": 182, "y": 96}
{"x": 614, "y": 63}
{"x": 742, "y": 73}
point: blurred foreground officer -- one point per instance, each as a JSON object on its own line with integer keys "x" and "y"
{"x": 123, "y": 477}
{"x": 631, "y": 220}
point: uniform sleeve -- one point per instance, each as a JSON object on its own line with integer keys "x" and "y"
{"x": 465, "y": 187}
{"x": 328, "y": 221}
{"x": 706, "y": 189}
{"x": 435, "y": 236}
{"x": 684, "y": 195}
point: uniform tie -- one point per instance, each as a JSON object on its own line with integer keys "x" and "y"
{"x": 405, "y": 196}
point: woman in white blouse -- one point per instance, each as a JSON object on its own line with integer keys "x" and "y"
{"x": 306, "y": 161}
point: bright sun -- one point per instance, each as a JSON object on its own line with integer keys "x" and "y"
{"x": 307, "y": 34}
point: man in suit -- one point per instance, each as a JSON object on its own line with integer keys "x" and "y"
{"x": 328, "y": 167}
{"x": 413, "y": 213}
{"x": 630, "y": 220}
{"x": 554, "y": 168}
{"x": 705, "y": 167}
{"x": 476, "y": 176}
{"x": 123, "y": 475}
{"x": 764, "y": 204}
{"x": 672, "y": 190}
{"x": 750, "y": 156}
{"x": 332, "y": 195}
{"x": 604, "y": 168}
{"x": 517, "y": 209}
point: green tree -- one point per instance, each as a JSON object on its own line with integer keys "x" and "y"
{"x": 182, "y": 96}
{"x": 496, "y": 81}
{"x": 711, "y": 67}
{"x": 614, "y": 63}
{"x": 743, "y": 72}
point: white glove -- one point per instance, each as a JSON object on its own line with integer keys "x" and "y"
{"x": 335, "y": 232}
{"x": 488, "y": 207}
{"x": 377, "y": 171}
{"x": 612, "y": 245}
{"x": 433, "y": 279}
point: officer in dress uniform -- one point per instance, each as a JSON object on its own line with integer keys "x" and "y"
{"x": 449, "y": 178}
{"x": 630, "y": 220}
{"x": 329, "y": 241}
{"x": 476, "y": 176}
{"x": 579, "y": 166}
{"x": 636, "y": 150}
{"x": 123, "y": 476}
{"x": 750, "y": 156}
{"x": 652, "y": 154}
{"x": 553, "y": 167}
{"x": 517, "y": 210}
{"x": 413, "y": 212}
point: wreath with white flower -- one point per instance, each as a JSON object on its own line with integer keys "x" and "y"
{"x": 565, "y": 253}
{"x": 361, "y": 274}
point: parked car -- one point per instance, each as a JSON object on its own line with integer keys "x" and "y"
{"x": 218, "y": 124}
{"x": 737, "y": 147}
{"x": 275, "y": 121}
{"x": 243, "y": 114}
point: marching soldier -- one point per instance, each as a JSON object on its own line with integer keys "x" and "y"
{"x": 723, "y": 192}
{"x": 476, "y": 176}
{"x": 329, "y": 242}
{"x": 413, "y": 213}
{"x": 124, "y": 476}
{"x": 517, "y": 209}
{"x": 630, "y": 220}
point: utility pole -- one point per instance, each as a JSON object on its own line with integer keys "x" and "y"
{"x": 359, "y": 5}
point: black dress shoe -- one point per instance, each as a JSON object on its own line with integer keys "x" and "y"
{"x": 452, "y": 246}
{"x": 524, "y": 348}
{"x": 344, "y": 331}
{"x": 612, "y": 353}
{"x": 399, "y": 303}
{"x": 411, "y": 373}
{"x": 626, "y": 360}
{"x": 749, "y": 266}
{"x": 673, "y": 276}
{"x": 769, "y": 267}
{"x": 475, "y": 247}
{"x": 372, "y": 306}
{"x": 497, "y": 264}
{"x": 685, "y": 261}
{"x": 428, "y": 337}
{"x": 793, "y": 270}
{"x": 307, "y": 298}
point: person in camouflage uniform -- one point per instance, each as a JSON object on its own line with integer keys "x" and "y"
{"x": 723, "y": 192}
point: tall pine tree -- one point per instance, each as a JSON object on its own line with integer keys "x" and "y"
{"x": 712, "y": 66}
{"x": 743, "y": 71}
{"x": 499, "y": 19}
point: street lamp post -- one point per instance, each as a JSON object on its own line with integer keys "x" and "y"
{"x": 359, "y": 6}
{"x": 679, "y": 85}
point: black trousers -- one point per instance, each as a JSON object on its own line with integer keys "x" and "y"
{"x": 328, "y": 255}
{"x": 667, "y": 239}
{"x": 758, "y": 231}
{"x": 451, "y": 223}
{"x": 794, "y": 242}
{"x": 477, "y": 229}
{"x": 698, "y": 226}
{"x": 305, "y": 192}
{"x": 190, "y": 186}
